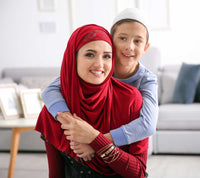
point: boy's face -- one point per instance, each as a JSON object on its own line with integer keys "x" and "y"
{"x": 130, "y": 39}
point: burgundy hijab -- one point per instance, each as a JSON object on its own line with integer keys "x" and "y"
{"x": 105, "y": 106}
{"x": 90, "y": 102}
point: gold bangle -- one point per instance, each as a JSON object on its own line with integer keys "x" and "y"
{"x": 114, "y": 156}
{"x": 104, "y": 148}
{"x": 107, "y": 152}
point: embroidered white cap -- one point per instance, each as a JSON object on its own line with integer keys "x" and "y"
{"x": 133, "y": 14}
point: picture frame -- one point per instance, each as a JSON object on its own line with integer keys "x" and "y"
{"x": 47, "y": 5}
{"x": 158, "y": 13}
{"x": 78, "y": 17}
{"x": 9, "y": 101}
{"x": 31, "y": 102}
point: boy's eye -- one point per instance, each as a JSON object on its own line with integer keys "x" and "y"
{"x": 122, "y": 38}
{"x": 89, "y": 55}
{"x": 138, "y": 41}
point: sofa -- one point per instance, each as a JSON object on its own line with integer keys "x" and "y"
{"x": 178, "y": 126}
{"x": 31, "y": 77}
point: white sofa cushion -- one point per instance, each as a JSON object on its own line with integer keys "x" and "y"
{"x": 152, "y": 59}
{"x": 179, "y": 117}
{"x": 17, "y": 73}
{"x": 6, "y": 80}
{"x": 36, "y": 82}
{"x": 177, "y": 141}
{"x": 167, "y": 82}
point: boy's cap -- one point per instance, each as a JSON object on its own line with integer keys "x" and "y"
{"x": 134, "y": 14}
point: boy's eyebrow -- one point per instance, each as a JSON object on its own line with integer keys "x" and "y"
{"x": 138, "y": 36}
{"x": 123, "y": 34}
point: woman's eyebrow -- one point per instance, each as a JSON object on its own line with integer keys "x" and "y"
{"x": 91, "y": 50}
{"x": 110, "y": 52}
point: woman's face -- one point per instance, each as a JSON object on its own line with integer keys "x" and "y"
{"x": 94, "y": 61}
{"x": 130, "y": 40}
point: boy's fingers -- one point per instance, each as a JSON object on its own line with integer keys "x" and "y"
{"x": 61, "y": 114}
{"x": 76, "y": 117}
{"x": 64, "y": 118}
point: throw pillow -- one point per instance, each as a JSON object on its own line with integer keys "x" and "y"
{"x": 197, "y": 95}
{"x": 169, "y": 75}
{"x": 186, "y": 83}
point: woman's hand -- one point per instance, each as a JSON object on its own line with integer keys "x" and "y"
{"x": 77, "y": 129}
{"x": 82, "y": 150}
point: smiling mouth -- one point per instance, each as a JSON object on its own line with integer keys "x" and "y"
{"x": 97, "y": 72}
{"x": 126, "y": 55}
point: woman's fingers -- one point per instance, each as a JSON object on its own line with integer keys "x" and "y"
{"x": 86, "y": 157}
{"x": 73, "y": 143}
{"x": 67, "y": 132}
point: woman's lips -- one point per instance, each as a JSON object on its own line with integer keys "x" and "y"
{"x": 97, "y": 72}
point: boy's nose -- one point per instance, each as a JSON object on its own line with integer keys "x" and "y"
{"x": 130, "y": 46}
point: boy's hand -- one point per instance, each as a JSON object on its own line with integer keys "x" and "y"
{"x": 109, "y": 136}
{"x": 82, "y": 150}
{"x": 62, "y": 117}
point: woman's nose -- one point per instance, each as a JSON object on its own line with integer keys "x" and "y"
{"x": 99, "y": 61}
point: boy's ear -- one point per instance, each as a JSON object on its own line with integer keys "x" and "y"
{"x": 146, "y": 47}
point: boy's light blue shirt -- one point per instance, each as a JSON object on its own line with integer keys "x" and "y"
{"x": 138, "y": 129}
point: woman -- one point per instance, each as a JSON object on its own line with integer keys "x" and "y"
{"x": 131, "y": 38}
{"x": 105, "y": 103}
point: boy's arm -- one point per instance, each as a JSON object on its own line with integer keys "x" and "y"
{"x": 53, "y": 98}
{"x": 136, "y": 130}
{"x": 145, "y": 125}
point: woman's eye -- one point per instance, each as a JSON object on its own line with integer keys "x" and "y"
{"x": 89, "y": 55}
{"x": 107, "y": 56}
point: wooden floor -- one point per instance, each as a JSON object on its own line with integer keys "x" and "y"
{"x": 159, "y": 166}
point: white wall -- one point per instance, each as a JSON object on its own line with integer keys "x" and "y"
{"x": 181, "y": 42}
{"x": 93, "y": 12}
{"x": 22, "y": 44}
